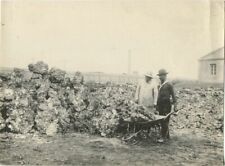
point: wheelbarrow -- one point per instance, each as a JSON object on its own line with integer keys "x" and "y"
{"x": 139, "y": 126}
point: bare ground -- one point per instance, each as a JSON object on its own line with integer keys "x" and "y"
{"x": 184, "y": 148}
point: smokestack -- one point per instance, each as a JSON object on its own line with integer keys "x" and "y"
{"x": 216, "y": 23}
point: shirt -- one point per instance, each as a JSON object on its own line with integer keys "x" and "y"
{"x": 147, "y": 93}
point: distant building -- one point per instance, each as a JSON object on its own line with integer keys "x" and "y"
{"x": 211, "y": 67}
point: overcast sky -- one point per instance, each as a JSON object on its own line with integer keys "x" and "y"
{"x": 95, "y": 35}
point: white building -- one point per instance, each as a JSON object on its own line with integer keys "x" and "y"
{"x": 211, "y": 67}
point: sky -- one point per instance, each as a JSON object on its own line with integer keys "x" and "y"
{"x": 95, "y": 35}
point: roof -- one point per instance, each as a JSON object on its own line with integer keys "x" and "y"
{"x": 214, "y": 55}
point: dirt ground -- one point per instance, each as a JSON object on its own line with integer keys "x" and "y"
{"x": 184, "y": 148}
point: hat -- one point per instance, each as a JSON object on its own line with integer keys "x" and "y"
{"x": 162, "y": 72}
{"x": 149, "y": 74}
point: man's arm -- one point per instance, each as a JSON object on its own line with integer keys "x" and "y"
{"x": 155, "y": 97}
{"x": 172, "y": 93}
{"x": 174, "y": 102}
{"x": 137, "y": 93}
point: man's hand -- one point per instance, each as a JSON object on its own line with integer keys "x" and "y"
{"x": 155, "y": 107}
{"x": 175, "y": 108}
{"x": 155, "y": 110}
{"x": 136, "y": 101}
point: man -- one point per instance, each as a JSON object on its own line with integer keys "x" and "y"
{"x": 147, "y": 93}
{"x": 164, "y": 103}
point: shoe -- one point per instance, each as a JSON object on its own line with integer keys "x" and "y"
{"x": 161, "y": 140}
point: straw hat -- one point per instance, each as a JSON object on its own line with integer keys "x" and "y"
{"x": 149, "y": 74}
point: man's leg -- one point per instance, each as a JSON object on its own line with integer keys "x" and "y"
{"x": 168, "y": 130}
{"x": 164, "y": 110}
{"x": 168, "y": 134}
{"x": 165, "y": 128}
{"x": 162, "y": 127}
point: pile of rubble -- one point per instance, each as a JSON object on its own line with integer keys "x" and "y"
{"x": 35, "y": 99}
{"x": 202, "y": 109}
{"x": 51, "y": 101}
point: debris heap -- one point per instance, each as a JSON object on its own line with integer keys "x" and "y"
{"x": 202, "y": 109}
{"x": 51, "y": 101}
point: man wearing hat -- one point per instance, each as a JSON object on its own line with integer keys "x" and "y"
{"x": 164, "y": 102}
{"x": 147, "y": 93}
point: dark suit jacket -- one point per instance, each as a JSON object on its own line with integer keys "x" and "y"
{"x": 165, "y": 93}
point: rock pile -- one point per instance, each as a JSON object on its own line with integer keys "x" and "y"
{"x": 38, "y": 68}
{"x": 202, "y": 109}
{"x": 49, "y": 101}
{"x": 34, "y": 99}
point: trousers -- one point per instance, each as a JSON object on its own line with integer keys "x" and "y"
{"x": 164, "y": 107}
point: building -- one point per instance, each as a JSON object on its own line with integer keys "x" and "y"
{"x": 211, "y": 67}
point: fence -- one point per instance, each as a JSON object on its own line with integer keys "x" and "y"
{"x": 115, "y": 78}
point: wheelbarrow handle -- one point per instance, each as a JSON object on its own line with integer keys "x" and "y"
{"x": 172, "y": 112}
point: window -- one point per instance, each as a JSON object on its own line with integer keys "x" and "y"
{"x": 213, "y": 69}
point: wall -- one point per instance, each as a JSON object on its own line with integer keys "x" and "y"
{"x": 103, "y": 78}
{"x": 205, "y": 71}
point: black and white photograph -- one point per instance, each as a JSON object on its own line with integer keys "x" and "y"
{"x": 112, "y": 82}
